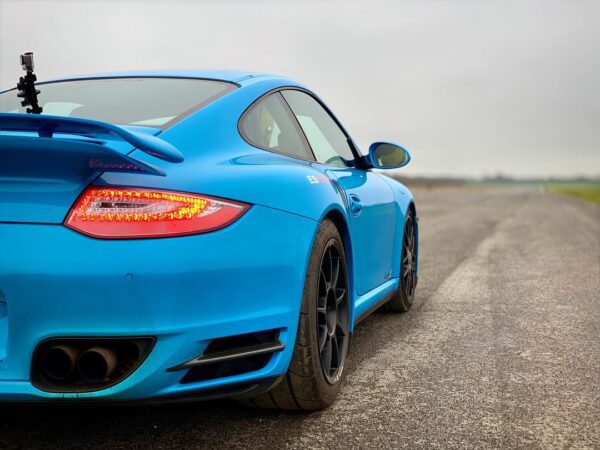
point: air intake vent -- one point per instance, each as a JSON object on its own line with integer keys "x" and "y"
{"x": 232, "y": 355}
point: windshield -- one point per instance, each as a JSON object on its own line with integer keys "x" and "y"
{"x": 152, "y": 102}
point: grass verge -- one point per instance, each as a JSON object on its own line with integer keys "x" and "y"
{"x": 588, "y": 192}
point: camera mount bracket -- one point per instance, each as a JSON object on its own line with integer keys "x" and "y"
{"x": 26, "y": 85}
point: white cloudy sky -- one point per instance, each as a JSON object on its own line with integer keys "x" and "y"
{"x": 469, "y": 87}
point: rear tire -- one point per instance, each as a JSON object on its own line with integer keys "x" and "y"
{"x": 313, "y": 378}
{"x": 403, "y": 298}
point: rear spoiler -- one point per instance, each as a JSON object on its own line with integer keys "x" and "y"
{"x": 90, "y": 153}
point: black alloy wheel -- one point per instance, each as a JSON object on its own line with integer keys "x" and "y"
{"x": 332, "y": 313}
{"x": 409, "y": 260}
{"x": 316, "y": 370}
{"x": 403, "y": 298}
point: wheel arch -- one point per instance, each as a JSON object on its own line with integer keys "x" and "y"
{"x": 341, "y": 223}
{"x": 413, "y": 209}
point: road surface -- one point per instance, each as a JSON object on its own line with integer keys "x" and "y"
{"x": 502, "y": 349}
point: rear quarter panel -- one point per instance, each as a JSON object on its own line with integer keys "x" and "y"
{"x": 220, "y": 163}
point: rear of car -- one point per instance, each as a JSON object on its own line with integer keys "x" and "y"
{"x": 113, "y": 288}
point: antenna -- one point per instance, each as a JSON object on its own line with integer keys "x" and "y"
{"x": 26, "y": 85}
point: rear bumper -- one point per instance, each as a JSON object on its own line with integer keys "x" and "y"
{"x": 184, "y": 291}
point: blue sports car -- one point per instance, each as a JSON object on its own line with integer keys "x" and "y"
{"x": 189, "y": 235}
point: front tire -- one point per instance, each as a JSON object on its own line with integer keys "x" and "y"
{"x": 315, "y": 372}
{"x": 402, "y": 300}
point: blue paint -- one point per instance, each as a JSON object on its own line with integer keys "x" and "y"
{"x": 189, "y": 290}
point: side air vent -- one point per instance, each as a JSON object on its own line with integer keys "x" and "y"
{"x": 232, "y": 355}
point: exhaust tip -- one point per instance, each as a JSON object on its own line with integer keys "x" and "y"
{"x": 87, "y": 364}
{"x": 58, "y": 362}
{"x": 97, "y": 364}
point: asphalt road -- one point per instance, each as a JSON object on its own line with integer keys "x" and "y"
{"x": 502, "y": 349}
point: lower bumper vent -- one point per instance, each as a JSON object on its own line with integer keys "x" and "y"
{"x": 232, "y": 355}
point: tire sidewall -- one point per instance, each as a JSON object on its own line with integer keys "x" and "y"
{"x": 407, "y": 301}
{"x": 327, "y": 235}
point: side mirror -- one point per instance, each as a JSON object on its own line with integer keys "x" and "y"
{"x": 384, "y": 155}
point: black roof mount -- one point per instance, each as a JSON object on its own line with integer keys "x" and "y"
{"x": 26, "y": 85}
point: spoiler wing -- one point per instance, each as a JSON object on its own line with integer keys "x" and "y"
{"x": 44, "y": 154}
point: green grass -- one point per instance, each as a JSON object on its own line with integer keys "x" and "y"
{"x": 585, "y": 191}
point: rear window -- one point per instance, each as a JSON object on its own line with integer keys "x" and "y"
{"x": 151, "y": 102}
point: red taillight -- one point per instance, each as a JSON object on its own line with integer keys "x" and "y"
{"x": 126, "y": 213}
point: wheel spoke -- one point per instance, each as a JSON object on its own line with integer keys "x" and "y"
{"x": 335, "y": 271}
{"x": 405, "y": 270}
{"x": 339, "y": 295}
{"x": 326, "y": 355}
{"x": 406, "y": 255}
{"x": 340, "y": 331}
{"x": 323, "y": 283}
{"x": 322, "y": 301}
{"x": 335, "y": 353}
{"x": 322, "y": 336}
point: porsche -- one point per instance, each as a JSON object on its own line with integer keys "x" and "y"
{"x": 169, "y": 236}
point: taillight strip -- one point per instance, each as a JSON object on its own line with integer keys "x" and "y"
{"x": 130, "y": 213}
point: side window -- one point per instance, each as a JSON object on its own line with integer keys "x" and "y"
{"x": 268, "y": 124}
{"x": 327, "y": 140}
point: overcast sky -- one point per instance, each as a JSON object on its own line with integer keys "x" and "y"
{"x": 469, "y": 87}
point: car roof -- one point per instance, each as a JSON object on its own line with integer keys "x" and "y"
{"x": 231, "y": 76}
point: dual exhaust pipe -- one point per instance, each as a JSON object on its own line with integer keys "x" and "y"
{"x": 93, "y": 365}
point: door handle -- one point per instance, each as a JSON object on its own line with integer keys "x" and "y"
{"x": 355, "y": 205}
